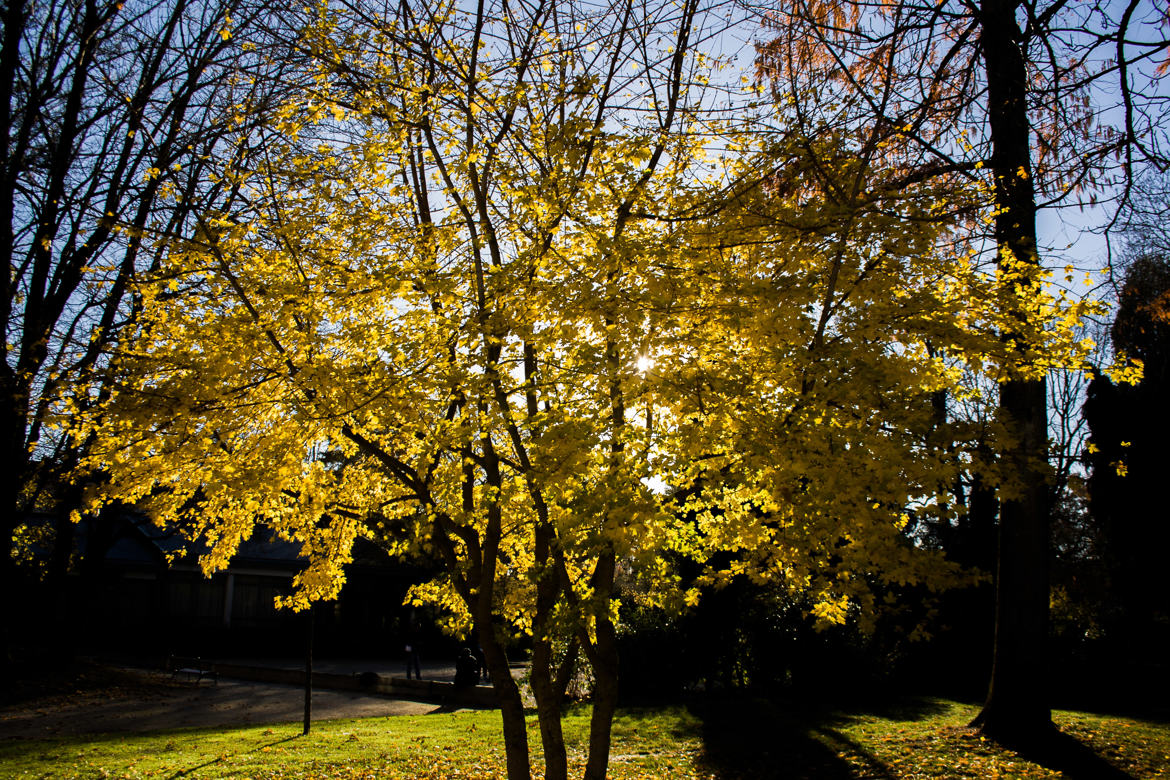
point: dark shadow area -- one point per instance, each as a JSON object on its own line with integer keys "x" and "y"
{"x": 1066, "y": 754}
{"x": 1118, "y": 686}
{"x": 873, "y": 767}
{"x": 1151, "y": 712}
{"x": 755, "y": 738}
{"x": 446, "y": 708}
{"x": 36, "y": 678}
{"x": 892, "y": 707}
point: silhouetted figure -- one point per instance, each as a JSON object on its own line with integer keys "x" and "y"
{"x": 481, "y": 660}
{"x": 412, "y": 660}
{"x": 466, "y": 669}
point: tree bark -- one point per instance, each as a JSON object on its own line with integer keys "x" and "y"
{"x": 544, "y": 689}
{"x": 1017, "y": 704}
{"x": 510, "y": 701}
{"x": 507, "y": 691}
{"x": 605, "y": 672}
{"x": 548, "y": 712}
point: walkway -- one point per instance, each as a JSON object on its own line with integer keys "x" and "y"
{"x": 380, "y": 676}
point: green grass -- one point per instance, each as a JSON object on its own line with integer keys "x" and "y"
{"x": 921, "y": 738}
{"x": 938, "y": 744}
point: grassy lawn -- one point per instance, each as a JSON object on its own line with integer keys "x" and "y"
{"x": 922, "y": 738}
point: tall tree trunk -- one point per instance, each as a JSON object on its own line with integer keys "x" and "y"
{"x": 1017, "y": 704}
{"x": 544, "y": 688}
{"x": 604, "y": 659}
{"x": 548, "y": 711}
{"x": 602, "y": 651}
{"x": 510, "y": 701}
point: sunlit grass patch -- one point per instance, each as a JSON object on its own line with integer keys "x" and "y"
{"x": 397, "y": 746}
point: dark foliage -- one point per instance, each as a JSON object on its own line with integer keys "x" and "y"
{"x": 1130, "y": 425}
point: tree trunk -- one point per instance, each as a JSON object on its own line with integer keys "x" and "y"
{"x": 1017, "y": 704}
{"x": 1017, "y": 700}
{"x": 605, "y": 672}
{"x": 548, "y": 711}
{"x": 511, "y": 703}
{"x": 544, "y": 688}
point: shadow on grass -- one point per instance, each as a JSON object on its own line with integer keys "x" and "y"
{"x": 904, "y": 708}
{"x": 218, "y": 759}
{"x": 1066, "y": 754}
{"x": 754, "y": 738}
{"x": 1153, "y": 710}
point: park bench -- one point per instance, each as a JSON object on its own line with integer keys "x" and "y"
{"x": 192, "y": 668}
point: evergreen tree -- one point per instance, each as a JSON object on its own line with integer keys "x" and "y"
{"x": 1130, "y": 425}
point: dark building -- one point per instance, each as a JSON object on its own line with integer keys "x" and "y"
{"x": 137, "y": 589}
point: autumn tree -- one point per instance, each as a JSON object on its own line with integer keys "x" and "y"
{"x": 492, "y": 287}
{"x": 505, "y": 270}
{"x": 1002, "y": 93}
{"x": 423, "y": 328}
{"x": 801, "y": 385}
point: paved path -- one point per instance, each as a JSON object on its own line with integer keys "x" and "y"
{"x": 161, "y": 704}
{"x": 151, "y": 700}
{"x": 431, "y": 670}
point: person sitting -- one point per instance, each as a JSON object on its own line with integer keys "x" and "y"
{"x": 466, "y": 669}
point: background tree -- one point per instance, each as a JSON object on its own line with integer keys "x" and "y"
{"x": 1129, "y": 425}
{"x": 108, "y": 112}
{"x": 804, "y": 391}
{"x": 1000, "y": 92}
